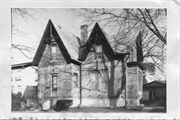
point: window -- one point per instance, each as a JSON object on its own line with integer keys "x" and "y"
{"x": 19, "y": 87}
{"x": 47, "y": 85}
{"x": 99, "y": 56}
{"x": 94, "y": 80}
{"x": 53, "y": 47}
{"x": 94, "y": 85}
{"x": 67, "y": 88}
{"x": 18, "y": 70}
{"x": 18, "y": 78}
{"x": 75, "y": 79}
{"x": 53, "y": 51}
{"x": 12, "y": 88}
{"x": 54, "y": 83}
{"x": 36, "y": 75}
{"x": 104, "y": 79}
{"x": 98, "y": 52}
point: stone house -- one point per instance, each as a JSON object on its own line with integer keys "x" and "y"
{"x": 85, "y": 70}
{"x": 56, "y": 59}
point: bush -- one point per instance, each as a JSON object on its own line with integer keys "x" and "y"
{"x": 16, "y": 101}
{"x": 63, "y": 105}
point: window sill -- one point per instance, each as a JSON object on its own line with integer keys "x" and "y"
{"x": 53, "y": 61}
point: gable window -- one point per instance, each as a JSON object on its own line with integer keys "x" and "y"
{"x": 98, "y": 56}
{"x": 98, "y": 51}
{"x": 53, "y": 50}
{"x": 53, "y": 47}
{"x": 98, "y": 48}
{"x": 52, "y": 44}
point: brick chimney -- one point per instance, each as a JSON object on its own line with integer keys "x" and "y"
{"x": 84, "y": 34}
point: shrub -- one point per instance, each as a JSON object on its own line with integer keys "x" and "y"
{"x": 63, "y": 105}
{"x": 16, "y": 101}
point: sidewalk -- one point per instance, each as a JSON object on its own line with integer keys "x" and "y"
{"x": 152, "y": 106}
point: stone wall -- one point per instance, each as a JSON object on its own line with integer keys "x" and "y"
{"x": 95, "y": 84}
{"x": 134, "y": 86}
{"x": 96, "y": 77}
{"x": 46, "y": 68}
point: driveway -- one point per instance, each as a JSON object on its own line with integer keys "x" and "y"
{"x": 156, "y": 106}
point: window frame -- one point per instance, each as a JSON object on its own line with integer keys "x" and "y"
{"x": 54, "y": 83}
{"x": 103, "y": 73}
{"x": 53, "y": 51}
{"x": 18, "y": 78}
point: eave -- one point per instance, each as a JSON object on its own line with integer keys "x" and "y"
{"x": 21, "y": 65}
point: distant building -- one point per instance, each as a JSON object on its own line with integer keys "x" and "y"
{"x": 152, "y": 73}
{"x": 23, "y": 77}
{"x": 155, "y": 90}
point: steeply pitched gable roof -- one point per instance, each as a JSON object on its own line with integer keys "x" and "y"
{"x": 98, "y": 35}
{"x": 154, "y": 84}
{"x": 67, "y": 42}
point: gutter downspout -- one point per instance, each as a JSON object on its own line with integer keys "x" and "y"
{"x": 80, "y": 86}
{"x": 125, "y": 66}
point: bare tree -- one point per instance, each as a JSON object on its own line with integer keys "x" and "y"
{"x": 19, "y": 15}
{"x": 123, "y": 26}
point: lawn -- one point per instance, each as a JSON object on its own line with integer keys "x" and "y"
{"x": 99, "y": 110}
{"x": 95, "y": 110}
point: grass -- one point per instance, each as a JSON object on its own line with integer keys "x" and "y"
{"x": 148, "y": 102}
{"x": 100, "y": 110}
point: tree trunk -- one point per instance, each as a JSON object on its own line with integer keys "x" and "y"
{"x": 112, "y": 102}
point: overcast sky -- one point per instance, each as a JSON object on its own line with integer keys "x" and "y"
{"x": 35, "y": 28}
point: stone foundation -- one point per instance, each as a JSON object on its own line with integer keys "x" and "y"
{"x": 96, "y": 102}
{"x": 134, "y": 84}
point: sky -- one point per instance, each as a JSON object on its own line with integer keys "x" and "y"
{"x": 35, "y": 27}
